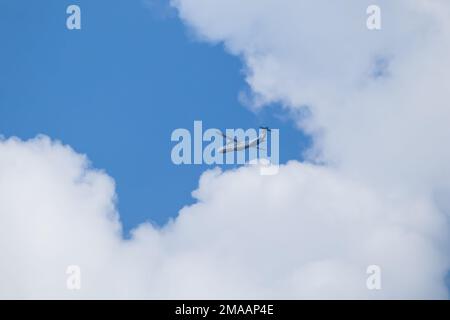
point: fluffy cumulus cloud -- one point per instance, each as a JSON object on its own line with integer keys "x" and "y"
{"x": 306, "y": 232}
{"x": 376, "y": 101}
{"x": 376, "y": 105}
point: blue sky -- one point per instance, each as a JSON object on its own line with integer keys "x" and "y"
{"x": 115, "y": 91}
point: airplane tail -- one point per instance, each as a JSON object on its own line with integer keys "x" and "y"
{"x": 265, "y": 128}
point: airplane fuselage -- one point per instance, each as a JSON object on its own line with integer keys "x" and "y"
{"x": 243, "y": 145}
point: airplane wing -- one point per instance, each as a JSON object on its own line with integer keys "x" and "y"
{"x": 227, "y": 137}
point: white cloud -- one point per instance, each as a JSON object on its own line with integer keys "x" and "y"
{"x": 310, "y": 231}
{"x": 321, "y": 55}
{"x": 307, "y": 232}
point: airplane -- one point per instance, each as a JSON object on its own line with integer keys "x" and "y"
{"x": 236, "y": 145}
